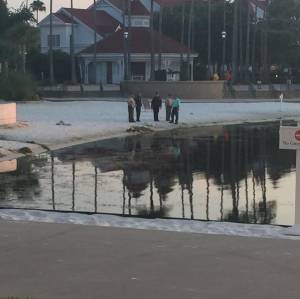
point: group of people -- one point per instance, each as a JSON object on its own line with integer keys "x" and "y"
{"x": 171, "y": 104}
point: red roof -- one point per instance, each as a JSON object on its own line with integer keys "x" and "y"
{"x": 259, "y": 3}
{"x": 140, "y": 43}
{"x": 180, "y": 2}
{"x": 137, "y": 8}
{"x": 104, "y": 22}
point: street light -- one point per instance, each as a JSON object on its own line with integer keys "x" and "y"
{"x": 125, "y": 34}
{"x": 224, "y": 35}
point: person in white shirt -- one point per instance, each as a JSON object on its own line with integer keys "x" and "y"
{"x": 168, "y": 103}
{"x": 131, "y": 106}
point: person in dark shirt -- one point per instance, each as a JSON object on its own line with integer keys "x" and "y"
{"x": 138, "y": 105}
{"x": 156, "y": 105}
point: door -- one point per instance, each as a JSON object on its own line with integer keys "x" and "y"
{"x": 109, "y": 72}
{"x": 138, "y": 70}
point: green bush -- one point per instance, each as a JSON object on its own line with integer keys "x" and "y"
{"x": 38, "y": 65}
{"x": 17, "y": 87}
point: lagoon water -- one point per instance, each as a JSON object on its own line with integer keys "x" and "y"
{"x": 232, "y": 173}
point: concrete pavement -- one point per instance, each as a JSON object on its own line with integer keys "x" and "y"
{"x": 53, "y": 261}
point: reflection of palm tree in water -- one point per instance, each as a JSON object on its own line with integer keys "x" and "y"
{"x": 263, "y": 212}
{"x": 207, "y": 174}
{"x": 246, "y": 175}
{"x": 52, "y": 182}
{"x": 73, "y": 186}
{"x": 96, "y": 190}
{"x": 186, "y": 173}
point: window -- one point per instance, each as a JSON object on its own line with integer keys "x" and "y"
{"x": 55, "y": 40}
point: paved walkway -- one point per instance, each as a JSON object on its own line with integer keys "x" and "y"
{"x": 52, "y": 261}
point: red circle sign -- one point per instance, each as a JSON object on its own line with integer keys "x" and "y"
{"x": 297, "y": 135}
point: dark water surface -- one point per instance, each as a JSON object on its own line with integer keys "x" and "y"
{"x": 226, "y": 173}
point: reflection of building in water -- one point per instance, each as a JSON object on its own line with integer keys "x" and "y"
{"x": 226, "y": 174}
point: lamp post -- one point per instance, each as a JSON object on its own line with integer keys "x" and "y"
{"x": 223, "y": 35}
{"x": 125, "y": 34}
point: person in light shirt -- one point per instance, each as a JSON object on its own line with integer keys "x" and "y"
{"x": 131, "y": 106}
{"x": 168, "y": 103}
{"x": 175, "y": 110}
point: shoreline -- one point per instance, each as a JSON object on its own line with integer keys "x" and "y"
{"x": 44, "y": 148}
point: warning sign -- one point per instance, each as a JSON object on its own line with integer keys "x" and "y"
{"x": 289, "y": 138}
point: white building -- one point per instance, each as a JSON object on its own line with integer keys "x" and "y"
{"x": 112, "y": 38}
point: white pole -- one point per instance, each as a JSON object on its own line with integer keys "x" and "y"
{"x": 281, "y": 102}
{"x": 295, "y": 230}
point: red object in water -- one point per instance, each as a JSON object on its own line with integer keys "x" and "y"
{"x": 297, "y": 135}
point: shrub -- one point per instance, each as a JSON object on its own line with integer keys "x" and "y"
{"x": 38, "y": 65}
{"x": 17, "y": 87}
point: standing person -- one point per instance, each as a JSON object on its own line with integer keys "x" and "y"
{"x": 156, "y": 105}
{"x": 175, "y": 110}
{"x": 168, "y": 103}
{"x": 138, "y": 105}
{"x": 131, "y": 106}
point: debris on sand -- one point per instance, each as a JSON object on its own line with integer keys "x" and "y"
{"x": 137, "y": 129}
{"x": 25, "y": 151}
{"x": 18, "y": 125}
{"x": 62, "y": 123}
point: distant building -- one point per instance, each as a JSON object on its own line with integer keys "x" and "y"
{"x": 111, "y": 37}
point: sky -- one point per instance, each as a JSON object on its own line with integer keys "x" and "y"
{"x": 56, "y": 4}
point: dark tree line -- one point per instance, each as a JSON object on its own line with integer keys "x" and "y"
{"x": 262, "y": 41}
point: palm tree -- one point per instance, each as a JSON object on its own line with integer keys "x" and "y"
{"x": 191, "y": 16}
{"x": 129, "y": 38}
{"x": 51, "y": 64}
{"x": 209, "y": 42}
{"x": 152, "y": 41}
{"x": 37, "y": 6}
{"x": 95, "y": 40}
{"x": 160, "y": 37}
{"x": 235, "y": 41}
{"x": 182, "y": 39}
{"x": 72, "y": 46}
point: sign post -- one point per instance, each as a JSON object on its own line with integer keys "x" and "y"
{"x": 290, "y": 139}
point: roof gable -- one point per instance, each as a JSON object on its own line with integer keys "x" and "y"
{"x": 56, "y": 20}
{"x": 105, "y": 24}
{"x": 137, "y": 7}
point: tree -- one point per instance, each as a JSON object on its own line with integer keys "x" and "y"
{"x": 152, "y": 59}
{"x": 51, "y": 64}
{"x": 37, "y": 6}
{"x": 22, "y": 38}
{"x": 17, "y": 36}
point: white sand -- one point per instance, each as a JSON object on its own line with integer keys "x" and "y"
{"x": 90, "y": 119}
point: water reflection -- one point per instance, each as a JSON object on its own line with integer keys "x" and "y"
{"x": 227, "y": 173}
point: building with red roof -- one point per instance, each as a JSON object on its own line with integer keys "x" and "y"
{"x": 112, "y": 37}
